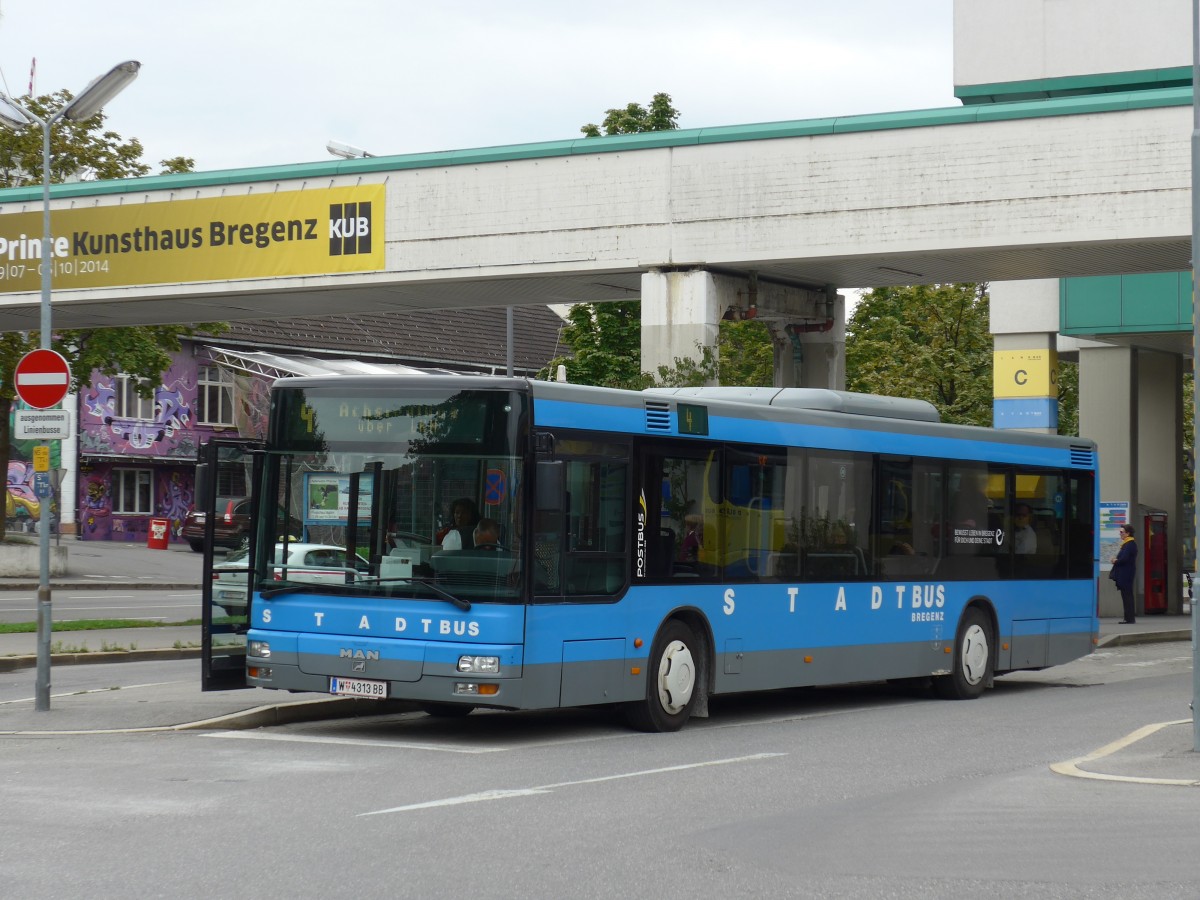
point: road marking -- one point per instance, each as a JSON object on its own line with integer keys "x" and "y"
{"x": 123, "y": 687}
{"x": 1071, "y": 766}
{"x": 357, "y": 742}
{"x": 550, "y": 788}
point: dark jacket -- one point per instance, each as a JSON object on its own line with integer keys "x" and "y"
{"x": 1125, "y": 567}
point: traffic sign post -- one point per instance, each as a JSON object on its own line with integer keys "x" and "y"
{"x": 42, "y": 379}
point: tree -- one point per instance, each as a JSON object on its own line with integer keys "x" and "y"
{"x": 744, "y": 356}
{"x": 635, "y": 118}
{"x": 930, "y": 342}
{"x": 83, "y": 150}
{"x": 605, "y": 340}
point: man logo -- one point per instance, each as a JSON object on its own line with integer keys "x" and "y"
{"x": 349, "y": 228}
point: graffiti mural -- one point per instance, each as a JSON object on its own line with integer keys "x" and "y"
{"x": 174, "y": 498}
{"x": 21, "y": 509}
{"x": 168, "y": 434}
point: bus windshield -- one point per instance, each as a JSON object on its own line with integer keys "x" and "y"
{"x": 423, "y": 484}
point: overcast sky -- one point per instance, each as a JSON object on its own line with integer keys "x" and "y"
{"x": 269, "y": 82}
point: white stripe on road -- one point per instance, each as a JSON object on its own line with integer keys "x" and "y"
{"x": 356, "y": 742}
{"x": 550, "y": 788}
{"x": 123, "y": 687}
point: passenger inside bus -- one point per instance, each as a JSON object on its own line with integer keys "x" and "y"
{"x": 486, "y": 535}
{"x": 693, "y": 538}
{"x": 1024, "y": 536}
{"x": 464, "y": 515}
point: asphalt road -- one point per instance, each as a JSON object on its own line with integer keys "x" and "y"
{"x": 866, "y": 791}
{"x": 162, "y": 605}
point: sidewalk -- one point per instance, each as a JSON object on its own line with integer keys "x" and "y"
{"x": 113, "y": 565}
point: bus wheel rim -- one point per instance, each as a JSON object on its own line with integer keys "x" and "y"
{"x": 676, "y": 677}
{"x": 974, "y": 654}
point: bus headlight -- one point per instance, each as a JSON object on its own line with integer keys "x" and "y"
{"x": 261, "y": 649}
{"x": 480, "y": 665}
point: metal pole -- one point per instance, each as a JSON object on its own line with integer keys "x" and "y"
{"x": 42, "y": 688}
{"x": 510, "y": 340}
{"x": 1195, "y": 348}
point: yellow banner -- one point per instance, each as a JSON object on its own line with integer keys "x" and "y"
{"x": 1024, "y": 373}
{"x": 313, "y": 232}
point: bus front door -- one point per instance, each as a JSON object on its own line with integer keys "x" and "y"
{"x": 226, "y": 470}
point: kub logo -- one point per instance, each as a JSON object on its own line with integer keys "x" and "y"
{"x": 349, "y": 228}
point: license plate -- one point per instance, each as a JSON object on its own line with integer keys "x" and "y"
{"x": 358, "y": 687}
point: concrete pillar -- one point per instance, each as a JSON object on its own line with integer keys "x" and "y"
{"x": 681, "y": 310}
{"x": 1108, "y": 415}
{"x": 1131, "y": 404}
{"x": 1160, "y": 470}
{"x": 808, "y": 329}
{"x": 1024, "y": 326}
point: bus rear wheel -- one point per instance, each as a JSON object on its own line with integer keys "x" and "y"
{"x": 972, "y": 667}
{"x": 671, "y": 681}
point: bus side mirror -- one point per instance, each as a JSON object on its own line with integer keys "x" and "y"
{"x": 550, "y": 481}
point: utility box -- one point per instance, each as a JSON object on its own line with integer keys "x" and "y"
{"x": 1154, "y": 571}
{"x": 158, "y": 536}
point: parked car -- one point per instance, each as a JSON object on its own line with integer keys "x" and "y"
{"x": 232, "y": 527}
{"x": 314, "y": 563}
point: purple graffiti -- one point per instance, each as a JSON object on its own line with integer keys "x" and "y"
{"x": 101, "y": 401}
{"x": 175, "y": 499}
{"x": 173, "y": 411}
{"x": 171, "y": 414}
{"x": 21, "y": 502}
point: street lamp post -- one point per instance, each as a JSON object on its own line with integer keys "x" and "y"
{"x": 84, "y": 106}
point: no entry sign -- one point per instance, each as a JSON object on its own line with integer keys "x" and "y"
{"x": 42, "y": 378}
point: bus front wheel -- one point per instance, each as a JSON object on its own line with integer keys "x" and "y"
{"x": 670, "y": 681}
{"x": 972, "y": 667}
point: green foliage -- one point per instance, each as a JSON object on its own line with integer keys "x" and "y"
{"x": 81, "y": 151}
{"x": 747, "y": 354}
{"x": 605, "y": 340}
{"x": 635, "y": 118}
{"x": 930, "y": 342}
{"x": 1068, "y": 398}
{"x": 176, "y": 165}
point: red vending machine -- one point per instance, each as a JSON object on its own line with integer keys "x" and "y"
{"x": 1155, "y": 568}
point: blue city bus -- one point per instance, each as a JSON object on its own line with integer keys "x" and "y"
{"x": 653, "y": 549}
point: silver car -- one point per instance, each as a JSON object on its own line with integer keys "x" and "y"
{"x": 315, "y": 563}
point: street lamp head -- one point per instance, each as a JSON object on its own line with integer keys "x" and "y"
{"x": 100, "y": 90}
{"x": 346, "y": 151}
{"x": 11, "y": 115}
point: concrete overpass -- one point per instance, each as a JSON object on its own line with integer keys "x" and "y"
{"x": 1009, "y": 191}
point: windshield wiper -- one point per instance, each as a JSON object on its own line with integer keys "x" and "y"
{"x": 461, "y": 602}
{"x": 311, "y": 587}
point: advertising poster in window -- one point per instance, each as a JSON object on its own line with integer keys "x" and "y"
{"x": 1113, "y": 514}
{"x": 328, "y": 500}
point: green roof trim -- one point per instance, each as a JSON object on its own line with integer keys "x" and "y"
{"x": 920, "y": 118}
{"x": 1074, "y": 85}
